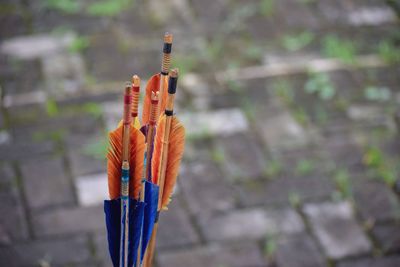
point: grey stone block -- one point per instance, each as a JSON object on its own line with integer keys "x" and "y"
{"x": 243, "y": 156}
{"x": 46, "y": 183}
{"x": 251, "y": 224}
{"x": 337, "y": 230}
{"x": 299, "y": 251}
{"x": 375, "y": 200}
{"x": 281, "y": 189}
{"x": 242, "y": 254}
{"x": 205, "y": 189}
{"x": 175, "y": 229}
{"x": 65, "y": 251}
{"x": 387, "y": 236}
{"x": 69, "y": 221}
{"x": 390, "y": 261}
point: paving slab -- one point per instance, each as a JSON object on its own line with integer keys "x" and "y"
{"x": 251, "y": 224}
{"x": 279, "y": 130}
{"x": 336, "y": 229}
{"x": 68, "y": 221}
{"x": 176, "y": 228}
{"x": 69, "y": 250}
{"x": 387, "y": 236}
{"x": 92, "y": 189}
{"x": 375, "y": 200}
{"x": 35, "y": 46}
{"x": 234, "y": 255}
{"x": 390, "y": 261}
{"x": 45, "y": 182}
{"x": 63, "y": 74}
{"x": 24, "y": 151}
{"x": 243, "y": 158}
{"x": 279, "y": 190}
{"x": 14, "y": 84}
{"x": 86, "y": 153}
{"x": 205, "y": 189}
{"x": 101, "y": 249}
{"x": 14, "y": 225}
{"x": 222, "y": 122}
{"x": 299, "y": 251}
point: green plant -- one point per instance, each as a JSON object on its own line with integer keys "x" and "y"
{"x": 66, "y": 6}
{"x": 93, "y": 109}
{"x": 79, "y": 44}
{"x": 184, "y": 63}
{"x": 214, "y": 49}
{"x": 108, "y": 8}
{"x": 253, "y": 52}
{"x": 267, "y": 7}
{"x": 235, "y": 86}
{"x": 389, "y": 52}
{"x": 297, "y": 41}
{"x": 342, "y": 103}
{"x": 304, "y": 166}
{"x": 342, "y": 180}
{"x": 273, "y": 168}
{"x": 97, "y": 148}
{"x": 320, "y": 84}
{"x": 61, "y": 30}
{"x": 380, "y": 167}
{"x": 300, "y": 115}
{"x": 52, "y": 109}
{"x": 55, "y": 135}
{"x": 284, "y": 90}
{"x": 374, "y": 93}
{"x": 218, "y": 155}
{"x": 345, "y": 50}
{"x": 373, "y": 157}
{"x": 294, "y": 199}
{"x": 248, "y": 109}
{"x": 203, "y": 134}
{"x": 270, "y": 247}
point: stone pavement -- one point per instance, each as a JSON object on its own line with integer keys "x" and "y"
{"x": 292, "y": 154}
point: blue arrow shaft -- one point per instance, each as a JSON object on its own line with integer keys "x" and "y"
{"x": 123, "y": 260}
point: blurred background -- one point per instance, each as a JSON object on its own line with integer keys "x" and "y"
{"x": 292, "y": 116}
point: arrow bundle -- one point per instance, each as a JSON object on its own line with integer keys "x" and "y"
{"x": 143, "y": 164}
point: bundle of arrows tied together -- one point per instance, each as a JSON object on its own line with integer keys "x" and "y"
{"x": 142, "y": 164}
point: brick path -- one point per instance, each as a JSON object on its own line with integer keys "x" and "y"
{"x": 283, "y": 167}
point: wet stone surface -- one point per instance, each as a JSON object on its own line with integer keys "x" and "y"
{"x": 299, "y": 250}
{"x": 282, "y": 190}
{"x": 175, "y": 228}
{"x": 238, "y": 255}
{"x": 336, "y": 229}
{"x": 205, "y": 189}
{"x": 388, "y": 236}
{"x": 375, "y": 200}
{"x": 63, "y": 221}
{"x": 271, "y": 164}
{"x": 46, "y": 183}
{"x": 390, "y": 261}
{"x": 242, "y": 156}
{"x": 251, "y": 224}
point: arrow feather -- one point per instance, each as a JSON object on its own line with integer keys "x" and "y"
{"x": 153, "y": 85}
{"x": 114, "y": 156}
{"x": 175, "y": 152}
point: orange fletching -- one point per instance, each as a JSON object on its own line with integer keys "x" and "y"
{"x": 175, "y": 153}
{"x": 114, "y": 162}
{"x": 154, "y": 85}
